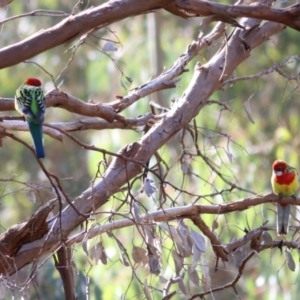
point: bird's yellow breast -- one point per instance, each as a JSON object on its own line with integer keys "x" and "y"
{"x": 285, "y": 189}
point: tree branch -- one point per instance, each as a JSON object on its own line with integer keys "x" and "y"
{"x": 289, "y": 16}
{"x": 74, "y": 26}
{"x": 63, "y": 264}
{"x": 181, "y": 212}
{"x": 23, "y": 126}
{"x": 204, "y": 82}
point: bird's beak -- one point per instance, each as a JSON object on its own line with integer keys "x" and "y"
{"x": 278, "y": 173}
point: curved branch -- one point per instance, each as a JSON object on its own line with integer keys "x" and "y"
{"x": 289, "y": 16}
{"x": 23, "y": 126}
{"x": 94, "y": 18}
{"x": 74, "y": 26}
{"x": 60, "y": 99}
{"x": 37, "y": 13}
{"x": 168, "y": 79}
{"x": 57, "y": 98}
{"x": 174, "y": 213}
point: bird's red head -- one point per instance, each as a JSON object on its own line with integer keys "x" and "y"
{"x": 33, "y": 82}
{"x": 279, "y": 165}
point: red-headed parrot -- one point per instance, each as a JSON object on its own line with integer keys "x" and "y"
{"x": 285, "y": 183}
{"x": 30, "y": 102}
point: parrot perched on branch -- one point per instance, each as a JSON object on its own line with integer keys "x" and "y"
{"x": 30, "y": 102}
{"x": 284, "y": 183}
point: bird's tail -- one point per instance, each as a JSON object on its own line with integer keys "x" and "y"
{"x": 36, "y": 131}
{"x": 283, "y": 215}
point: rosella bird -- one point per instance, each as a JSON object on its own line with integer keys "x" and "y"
{"x": 284, "y": 183}
{"x": 30, "y": 102}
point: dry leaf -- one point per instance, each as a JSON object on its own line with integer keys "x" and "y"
{"x": 149, "y": 233}
{"x": 290, "y": 260}
{"x": 136, "y": 212}
{"x": 173, "y": 234}
{"x": 215, "y": 225}
{"x": 178, "y": 260}
{"x": 31, "y": 196}
{"x": 238, "y": 256}
{"x": 206, "y": 280}
{"x": 149, "y": 188}
{"x": 84, "y": 247}
{"x": 204, "y": 284}
{"x": 109, "y": 47}
{"x": 186, "y": 167}
{"x": 229, "y": 155}
{"x": 194, "y": 277}
{"x": 248, "y": 109}
{"x": 154, "y": 265}
{"x": 139, "y": 255}
{"x": 187, "y": 242}
{"x": 96, "y": 251}
{"x": 196, "y": 257}
{"x": 199, "y": 240}
{"x": 267, "y": 238}
{"x": 103, "y": 257}
{"x": 123, "y": 258}
{"x": 182, "y": 286}
{"x": 162, "y": 280}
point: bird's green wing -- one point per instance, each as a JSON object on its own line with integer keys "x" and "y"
{"x": 31, "y": 102}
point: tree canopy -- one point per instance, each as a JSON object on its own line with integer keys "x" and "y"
{"x": 163, "y": 120}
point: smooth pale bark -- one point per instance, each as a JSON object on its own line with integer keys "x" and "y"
{"x": 87, "y": 21}
{"x": 75, "y": 26}
{"x": 289, "y": 16}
